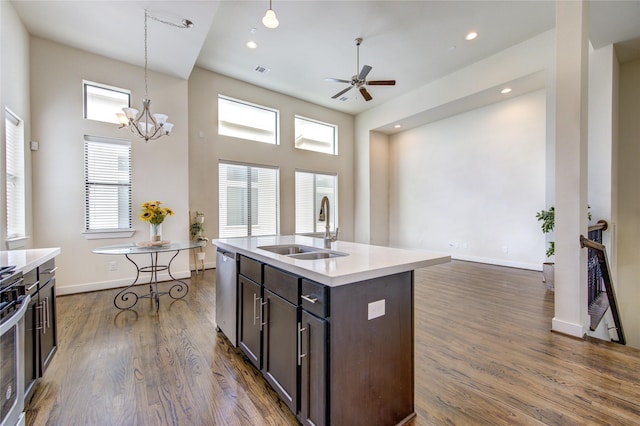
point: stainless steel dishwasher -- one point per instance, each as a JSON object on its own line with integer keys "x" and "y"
{"x": 226, "y": 292}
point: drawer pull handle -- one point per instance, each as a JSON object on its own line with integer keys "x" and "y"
{"x": 309, "y": 298}
{"x": 300, "y": 354}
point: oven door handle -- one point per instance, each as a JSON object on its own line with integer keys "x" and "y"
{"x": 17, "y": 315}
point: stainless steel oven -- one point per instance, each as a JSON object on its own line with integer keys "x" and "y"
{"x": 13, "y": 307}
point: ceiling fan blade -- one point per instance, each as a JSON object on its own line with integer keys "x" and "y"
{"x": 381, "y": 83}
{"x": 365, "y": 94}
{"x": 366, "y": 69}
{"x": 337, "y": 80}
{"x": 342, "y": 92}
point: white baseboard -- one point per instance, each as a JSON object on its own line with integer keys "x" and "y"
{"x": 498, "y": 262}
{"x": 113, "y": 284}
{"x": 564, "y": 327}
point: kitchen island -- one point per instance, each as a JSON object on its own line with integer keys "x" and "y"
{"x": 330, "y": 329}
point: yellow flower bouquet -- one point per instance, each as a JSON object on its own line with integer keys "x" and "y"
{"x": 153, "y": 213}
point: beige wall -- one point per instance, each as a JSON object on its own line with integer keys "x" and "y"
{"x": 628, "y": 230}
{"x": 14, "y": 95}
{"x": 207, "y": 148}
{"x": 160, "y": 168}
{"x": 470, "y": 185}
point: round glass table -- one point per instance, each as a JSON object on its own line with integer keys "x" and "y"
{"x": 127, "y": 298}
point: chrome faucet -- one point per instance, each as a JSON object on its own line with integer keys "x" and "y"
{"x": 325, "y": 216}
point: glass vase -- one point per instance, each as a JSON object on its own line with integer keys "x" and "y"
{"x": 155, "y": 231}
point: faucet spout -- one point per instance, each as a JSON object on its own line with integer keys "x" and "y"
{"x": 325, "y": 216}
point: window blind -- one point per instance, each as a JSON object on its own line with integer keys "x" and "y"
{"x": 248, "y": 200}
{"x": 310, "y": 188}
{"x": 107, "y": 184}
{"x": 15, "y": 185}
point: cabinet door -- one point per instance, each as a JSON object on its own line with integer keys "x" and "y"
{"x": 280, "y": 366}
{"x": 31, "y": 342}
{"x": 49, "y": 330}
{"x": 313, "y": 359}
{"x": 250, "y": 319}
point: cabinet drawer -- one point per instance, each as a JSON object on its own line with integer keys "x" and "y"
{"x": 251, "y": 269}
{"x": 31, "y": 281}
{"x": 282, "y": 283}
{"x": 315, "y": 298}
{"x": 46, "y": 271}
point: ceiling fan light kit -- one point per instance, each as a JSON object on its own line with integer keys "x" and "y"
{"x": 359, "y": 80}
{"x": 143, "y": 123}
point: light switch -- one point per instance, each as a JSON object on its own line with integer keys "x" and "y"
{"x": 376, "y": 309}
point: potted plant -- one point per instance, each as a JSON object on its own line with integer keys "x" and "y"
{"x": 547, "y": 217}
{"x": 196, "y": 230}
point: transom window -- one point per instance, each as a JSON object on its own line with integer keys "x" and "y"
{"x": 310, "y": 188}
{"x": 316, "y": 136}
{"x": 102, "y": 102}
{"x": 107, "y": 167}
{"x": 248, "y": 200}
{"x": 244, "y": 120}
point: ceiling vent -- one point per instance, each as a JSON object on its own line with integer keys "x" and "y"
{"x": 262, "y": 70}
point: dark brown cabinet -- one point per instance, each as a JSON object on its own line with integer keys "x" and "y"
{"x": 41, "y": 332}
{"x": 250, "y": 320}
{"x": 336, "y": 355}
{"x": 280, "y": 366}
{"x": 313, "y": 371}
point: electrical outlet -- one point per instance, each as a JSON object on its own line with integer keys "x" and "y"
{"x": 112, "y": 266}
{"x": 505, "y": 249}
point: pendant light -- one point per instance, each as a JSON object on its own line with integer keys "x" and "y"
{"x": 269, "y": 20}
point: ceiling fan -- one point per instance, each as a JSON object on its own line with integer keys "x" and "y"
{"x": 360, "y": 79}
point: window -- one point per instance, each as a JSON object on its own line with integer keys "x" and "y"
{"x": 247, "y": 121}
{"x": 102, "y": 103}
{"x": 14, "y": 166}
{"x": 316, "y": 136}
{"x": 310, "y": 188}
{"x": 248, "y": 200}
{"x": 107, "y": 168}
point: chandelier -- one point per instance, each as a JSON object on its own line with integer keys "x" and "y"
{"x": 143, "y": 123}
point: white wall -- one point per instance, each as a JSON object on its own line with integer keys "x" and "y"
{"x": 525, "y": 59}
{"x": 628, "y": 232}
{"x": 159, "y": 168}
{"x": 15, "y": 95}
{"x": 470, "y": 185}
{"x": 207, "y": 148}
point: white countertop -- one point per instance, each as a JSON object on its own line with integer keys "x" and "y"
{"x": 364, "y": 261}
{"x": 27, "y": 260}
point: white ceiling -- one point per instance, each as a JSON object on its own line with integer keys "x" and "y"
{"x": 413, "y": 42}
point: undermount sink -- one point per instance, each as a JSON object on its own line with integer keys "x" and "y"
{"x": 318, "y": 255}
{"x": 287, "y": 249}
{"x": 301, "y": 252}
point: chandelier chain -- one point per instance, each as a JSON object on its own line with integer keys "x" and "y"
{"x": 146, "y": 89}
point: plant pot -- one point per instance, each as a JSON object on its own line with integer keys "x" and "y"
{"x": 548, "y": 272}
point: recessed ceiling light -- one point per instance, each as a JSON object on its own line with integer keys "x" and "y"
{"x": 471, "y": 36}
{"x": 505, "y": 90}
{"x": 397, "y": 126}
{"x": 252, "y": 44}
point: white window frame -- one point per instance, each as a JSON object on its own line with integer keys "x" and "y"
{"x": 246, "y": 128}
{"x": 270, "y": 201}
{"x": 314, "y": 144}
{"x": 15, "y": 195}
{"x": 112, "y": 166}
{"x": 87, "y": 104}
{"x": 307, "y": 204}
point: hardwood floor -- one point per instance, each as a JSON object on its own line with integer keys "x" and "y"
{"x": 484, "y": 355}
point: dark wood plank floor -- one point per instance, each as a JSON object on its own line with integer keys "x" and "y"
{"x": 484, "y": 355}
